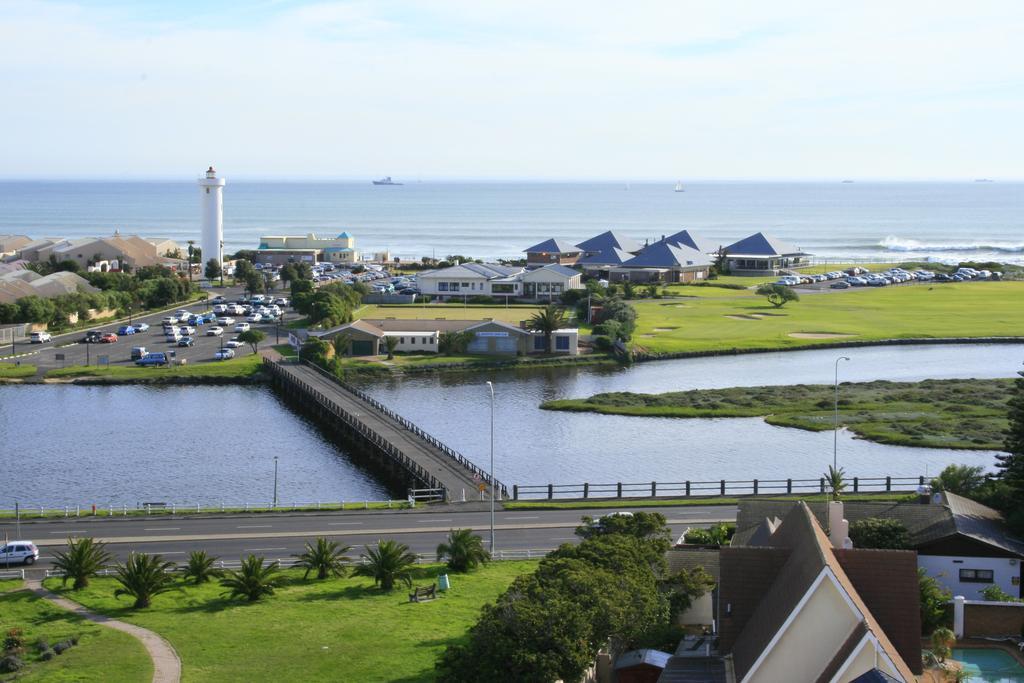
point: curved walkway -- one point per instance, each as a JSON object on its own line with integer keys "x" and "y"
{"x": 166, "y": 664}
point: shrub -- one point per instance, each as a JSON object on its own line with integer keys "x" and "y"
{"x": 10, "y": 664}
{"x": 716, "y": 535}
{"x": 875, "y": 532}
{"x": 603, "y": 343}
{"x": 14, "y": 641}
{"x": 481, "y": 299}
{"x": 934, "y": 599}
{"x": 994, "y": 593}
{"x": 962, "y": 480}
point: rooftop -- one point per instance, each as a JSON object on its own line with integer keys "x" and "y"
{"x": 760, "y": 244}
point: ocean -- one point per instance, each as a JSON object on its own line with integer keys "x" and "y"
{"x": 863, "y": 220}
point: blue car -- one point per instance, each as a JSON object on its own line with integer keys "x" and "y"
{"x": 158, "y": 358}
{"x": 125, "y": 329}
{"x": 186, "y": 341}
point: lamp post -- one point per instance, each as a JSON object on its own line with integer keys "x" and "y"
{"x": 220, "y": 260}
{"x": 275, "y": 481}
{"x": 129, "y": 315}
{"x": 835, "y": 432}
{"x": 491, "y": 387}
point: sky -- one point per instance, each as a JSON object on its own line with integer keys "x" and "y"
{"x": 530, "y": 89}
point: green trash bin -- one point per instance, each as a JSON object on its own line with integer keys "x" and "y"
{"x": 443, "y": 583}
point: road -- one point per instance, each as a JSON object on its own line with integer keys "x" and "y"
{"x": 44, "y": 356}
{"x": 279, "y": 536}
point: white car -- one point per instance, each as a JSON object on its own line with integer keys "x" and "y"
{"x": 255, "y": 317}
{"x": 187, "y": 330}
{"x": 171, "y": 320}
{"x": 220, "y": 308}
{"x": 233, "y": 344}
{"x": 183, "y": 314}
{"x": 39, "y": 337}
{"x": 215, "y": 332}
{"x": 22, "y": 552}
{"x": 242, "y": 327}
{"x": 225, "y": 320}
{"x": 223, "y": 354}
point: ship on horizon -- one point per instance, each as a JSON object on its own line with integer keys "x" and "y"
{"x": 386, "y": 180}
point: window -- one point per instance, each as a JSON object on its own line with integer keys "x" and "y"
{"x": 503, "y": 288}
{"x": 465, "y": 285}
{"x": 538, "y": 343}
{"x": 453, "y": 286}
{"x": 401, "y": 340}
{"x": 977, "y": 576}
{"x": 562, "y": 343}
{"x": 442, "y": 286}
{"x": 412, "y": 340}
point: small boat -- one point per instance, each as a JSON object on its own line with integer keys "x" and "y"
{"x": 386, "y": 180}
{"x": 846, "y": 182}
{"x": 679, "y": 186}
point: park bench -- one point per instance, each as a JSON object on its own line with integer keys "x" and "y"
{"x": 421, "y": 593}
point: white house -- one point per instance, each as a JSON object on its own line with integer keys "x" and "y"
{"x": 546, "y": 283}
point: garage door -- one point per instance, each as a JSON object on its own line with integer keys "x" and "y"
{"x": 362, "y": 348}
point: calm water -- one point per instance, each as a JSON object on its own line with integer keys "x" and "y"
{"x": 120, "y": 445}
{"x": 949, "y": 221}
{"x": 127, "y": 444}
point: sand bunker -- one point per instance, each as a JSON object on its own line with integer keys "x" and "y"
{"x": 665, "y": 329}
{"x": 743, "y": 317}
{"x": 649, "y": 336}
{"x": 819, "y": 335}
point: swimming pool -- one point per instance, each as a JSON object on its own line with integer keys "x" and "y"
{"x": 989, "y": 665}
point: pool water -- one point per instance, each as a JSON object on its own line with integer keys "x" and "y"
{"x": 987, "y": 665}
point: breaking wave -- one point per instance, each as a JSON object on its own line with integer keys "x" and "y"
{"x": 904, "y": 245}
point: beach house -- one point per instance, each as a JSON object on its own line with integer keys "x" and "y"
{"x": 763, "y": 255}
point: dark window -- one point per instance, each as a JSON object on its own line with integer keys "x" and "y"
{"x": 562, "y": 343}
{"x": 538, "y": 344}
{"x": 977, "y": 575}
{"x": 442, "y": 286}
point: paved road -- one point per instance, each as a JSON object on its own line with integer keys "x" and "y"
{"x": 279, "y": 536}
{"x": 119, "y": 353}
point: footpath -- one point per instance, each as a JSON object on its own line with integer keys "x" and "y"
{"x": 166, "y": 663}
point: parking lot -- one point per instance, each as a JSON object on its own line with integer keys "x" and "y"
{"x": 75, "y": 352}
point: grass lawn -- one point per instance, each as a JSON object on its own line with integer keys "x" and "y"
{"x": 685, "y": 502}
{"x": 954, "y": 413}
{"x": 102, "y": 654}
{"x": 454, "y": 311}
{"x": 335, "y": 630}
{"x": 10, "y": 370}
{"x": 746, "y": 321}
{"x": 243, "y": 367}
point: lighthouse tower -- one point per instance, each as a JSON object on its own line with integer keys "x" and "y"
{"x": 211, "y": 200}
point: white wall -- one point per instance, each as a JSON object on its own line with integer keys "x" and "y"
{"x": 415, "y": 341}
{"x": 946, "y": 570}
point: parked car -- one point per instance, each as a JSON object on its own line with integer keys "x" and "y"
{"x": 242, "y": 327}
{"x": 171, "y": 320}
{"x": 21, "y": 552}
{"x": 108, "y": 338}
{"x": 218, "y": 299}
{"x": 233, "y": 344}
{"x": 156, "y": 358}
{"x": 220, "y": 308}
{"x": 141, "y": 327}
{"x": 223, "y": 354}
{"x": 840, "y": 285}
{"x": 187, "y": 330}
{"x": 39, "y": 337}
{"x": 186, "y": 341}
{"x": 215, "y": 332}
{"x": 92, "y": 337}
{"x": 125, "y": 330}
{"x": 138, "y": 352}
{"x": 225, "y": 320}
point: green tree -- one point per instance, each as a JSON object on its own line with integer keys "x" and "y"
{"x": 628, "y": 290}
{"x": 342, "y": 343}
{"x": 288, "y": 273}
{"x": 875, "y": 532}
{"x": 1011, "y": 464}
{"x": 387, "y": 563}
{"x": 835, "y": 479}
{"x": 652, "y": 291}
{"x": 252, "y": 338}
{"x": 253, "y": 580}
{"x": 718, "y": 534}
{"x": 962, "y": 480}
{"x": 200, "y": 567}
{"x": 546, "y": 321}
{"x": 243, "y": 268}
{"x": 643, "y": 525}
{"x": 464, "y": 550}
{"x": 254, "y": 282}
{"x": 304, "y": 271}
{"x": 934, "y": 599}
{"x": 778, "y": 295}
{"x": 301, "y": 287}
{"x": 451, "y": 343}
{"x": 212, "y": 269}
{"x": 686, "y": 586}
{"x": 390, "y": 344}
{"x": 326, "y": 558}
{"x": 192, "y": 250}
{"x": 621, "y": 311}
{"x": 143, "y": 577}
{"x": 84, "y": 558}
{"x": 943, "y": 640}
{"x": 318, "y": 352}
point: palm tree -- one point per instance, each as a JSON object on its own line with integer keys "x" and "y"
{"x": 449, "y": 343}
{"x": 342, "y": 341}
{"x": 836, "y": 480}
{"x": 547, "y": 320}
{"x": 326, "y": 557}
{"x": 391, "y": 343}
{"x": 200, "y": 567}
{"x": 143, "y": 577}
{"x": 942, "y": 643}
{"x": 389, "y": 562}
{"x": 464, "y": 550}
{"x": 84, "y": 558}
{"x": 253, "y": 580}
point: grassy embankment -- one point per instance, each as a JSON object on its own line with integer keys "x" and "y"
{"x": 337, "y": 629}
{"x": 12, "y": 371}
{"x": 102, "y": 654}
{"x": 954, "y": 413}
{"x": 685, "y": 502}
{"x": 742, "y": 320}
{"x": 235, "y": 369}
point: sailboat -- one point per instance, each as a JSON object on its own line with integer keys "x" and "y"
{"x": 679, "y": 186}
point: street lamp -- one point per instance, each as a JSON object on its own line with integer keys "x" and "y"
{"x": 221, "y": 261}
{"x": 129, "y": 315}
{"x": 275, "y": 481}
{"x": 491, "y": 387}
{"x": 835, "y": 432}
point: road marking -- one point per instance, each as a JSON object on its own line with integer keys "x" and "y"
{"x": 255, "y": 526}
{"x": 261, "y": 550}
{"x": 71, "y": 531}
{"x": 164, "y": 528}
{"x": 167, "y": 552}
{"x": 566, "y": 538}
{"x": 342, "y": 523}
{"x": 520, "y": 517}
{"x": 428, "y": 521}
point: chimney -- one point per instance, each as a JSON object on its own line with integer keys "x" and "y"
{"x": 838, "y": 528}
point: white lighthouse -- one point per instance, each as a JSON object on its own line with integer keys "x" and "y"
{"x": 211, "y": 200}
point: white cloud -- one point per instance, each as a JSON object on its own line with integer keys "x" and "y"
{"x": 517, "y": 89}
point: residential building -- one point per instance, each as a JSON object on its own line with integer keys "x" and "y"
{"x": 546, "y": 283}
{"x": 552, "y": 251}
{"x": 282, "y": 249}
{"x": 763, "y": 255}
{"x": 16, "y": 284}
{"x": 489, "y": 337}
{"x": 10, "y": 244}
{"x": 663, "y": 261}
{"x": 29, "y": 252}
{"x": 964, "y": 545}
{"x": 132, "y": 250}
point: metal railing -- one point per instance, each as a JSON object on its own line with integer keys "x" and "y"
{"x": 153, "y": 508}
{"x": 721, "y": 487}
{"x": 12, "y": 574}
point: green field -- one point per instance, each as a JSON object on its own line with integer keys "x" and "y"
{"x": 954, "y": 413}
{"x": 334, "y": 630}
{"x": 236, "y": 368}
{"x": 102, "y": 654}
{"x": 12, "y": 371}
{"x": 740, "y": 320}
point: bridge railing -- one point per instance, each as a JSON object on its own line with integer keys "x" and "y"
{"x": 37, "y": 510}
{"x": 721, "y": 487}
{"x": 450, "y": 452}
